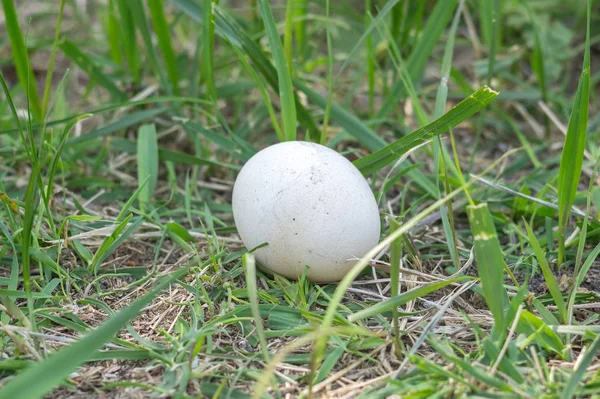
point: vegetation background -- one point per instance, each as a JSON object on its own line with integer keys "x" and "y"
{"x": 123, "y": 124}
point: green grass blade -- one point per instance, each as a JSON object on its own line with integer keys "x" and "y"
{"x": 57, "y": 155}
{"x": 585, "y": 268}
{"x": 165, "y": 155}
{"x": 31, "y": 202}
{"x": 570, "y": 389}
{"x": 415, "y": 64}
{"x": 400, "y": 300}
{"x": 82, "y": 60}
{"x": 327, "y": 111}
{"x": 538, "y": 332}
{"x": 452, "y": 118}
{"x": 129, "y": 39}
{"x": 490, "y": 261}
{"x": 383, "y": 12}
{"x": 111, "y": 242}
{"x": 548, "y": 275}
{"x": 21, "y": 58}
{"x": 228, "y": 27}
{"x": 336, "y": 299}
{"x": 118, "y": 125}
{"x": 571, "y": 160}
{"x": 139, "y": 18}
{"x": 370, "y": 59}
{"x": 288, "y": 36}
{"x": 50, "y": 71}
{"x": 395, "y": 262}
{"x": 147, "y": 163}
{"x": 113, "y": 31}
{"x": 208, "y": 50}
{"x": 161, "y": 29}
{"x": 41, "y": 378}
{"x": 286, "y": 91}
{"x": 263, "y": 91}
{"x": 440, "y": 107}
{"x": 537, "y": 60}
{"x": 349, "y": 122}
{"x": 300, "y": 10}
{"x": 492, "y": 24}
{"x": 250, "y": 269}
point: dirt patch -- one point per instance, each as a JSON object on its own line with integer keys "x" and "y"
{"x": 565, "y": 278}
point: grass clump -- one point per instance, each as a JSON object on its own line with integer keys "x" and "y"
{"x": 120, "y": 267}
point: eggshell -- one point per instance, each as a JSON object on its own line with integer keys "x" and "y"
{"x": 311, "y": 205}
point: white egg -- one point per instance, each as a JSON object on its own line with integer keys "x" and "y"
{"x": 310, "y": 205}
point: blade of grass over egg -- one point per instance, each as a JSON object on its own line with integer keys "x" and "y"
{"x": 161, "y": 29}
{"x": 147, "y": 163}
{"x": 571, "y": 160}
{"x": 452, "y": 118}
{"x": 286, "y": 91}
{"x": 490, "y": 262}
{"x": 549, "y": 277}
{"x": 43, "y": 377}
{"x": 21, "y": 58}
{"x": 358, "y": 267}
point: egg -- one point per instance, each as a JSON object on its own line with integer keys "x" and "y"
{"x": 310, "y": 205}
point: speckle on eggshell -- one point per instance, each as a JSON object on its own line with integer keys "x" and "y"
{"x": 312, "y": 207}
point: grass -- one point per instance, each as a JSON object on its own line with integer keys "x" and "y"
{"x": 123, "y": 126}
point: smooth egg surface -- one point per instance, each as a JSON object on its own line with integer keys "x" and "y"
{"x": 310, "y": 205}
